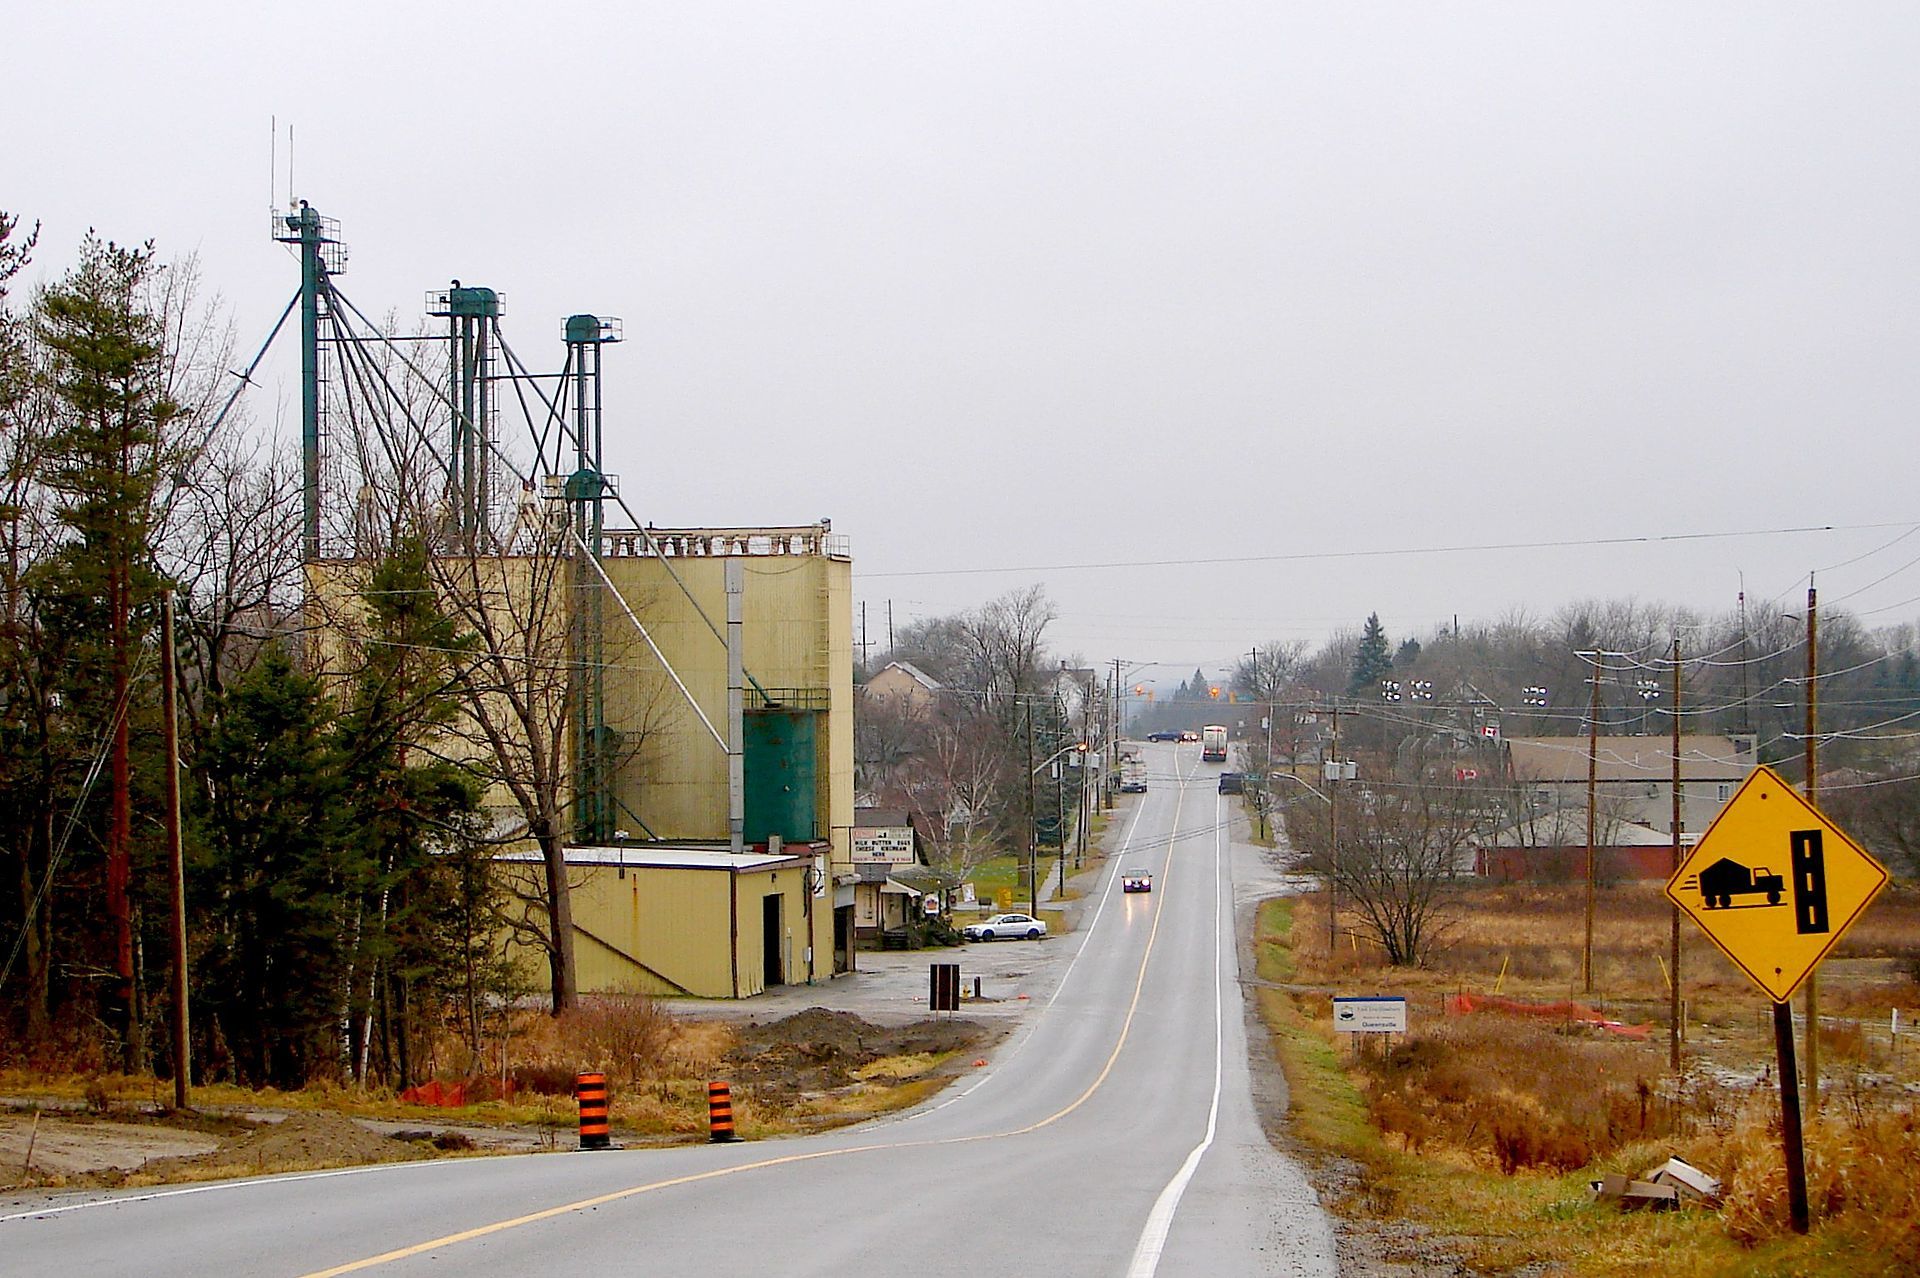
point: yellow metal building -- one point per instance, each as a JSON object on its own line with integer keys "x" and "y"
{"x": 797, "y": 639}
{"x": 695, "y": 920}
{"x": 667, "y": 907}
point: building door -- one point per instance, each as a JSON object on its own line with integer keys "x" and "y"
{"x": 772, "y": 939}
{"x": 843, "y": 939}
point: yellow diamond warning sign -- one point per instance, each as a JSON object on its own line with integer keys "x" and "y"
{"x": 1775, "y": 884}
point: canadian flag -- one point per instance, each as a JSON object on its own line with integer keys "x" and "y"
{"x": 1491, "y": 731}
{"x": 1466, "y": 774}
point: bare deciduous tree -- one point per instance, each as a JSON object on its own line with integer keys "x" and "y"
{"x": 1402, "y": 843}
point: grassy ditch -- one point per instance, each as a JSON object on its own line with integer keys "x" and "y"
{"x": 1484, "y": 1129}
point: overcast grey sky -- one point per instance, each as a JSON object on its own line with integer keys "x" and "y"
{"x": 1037, "y": 285}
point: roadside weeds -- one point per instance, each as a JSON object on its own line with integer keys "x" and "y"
{"x": 1393, "y": 1137}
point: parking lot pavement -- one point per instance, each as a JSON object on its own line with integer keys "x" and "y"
{"x": 889, "y": 987}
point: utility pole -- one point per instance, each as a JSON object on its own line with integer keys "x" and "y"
{"x": 889, "y": 627}
{"x": 1673, "y": 992}
{"x": 170, "y": 718}
{"x": 1333, "y": 838}
{"x": 863, "y": 638}
{"x": 1746, "y": 691}
{"x": 126, "y": 1011}
{"x": 1593, "y": 796}
{"x": 1086, "y": 767}
{"x": 1033, "y": 877}
{"x": 1059, "y": 774}
{"x": 1263, "y": 794}
{"x": 1812, "y": 792}
{"x": 1060, "y": 818}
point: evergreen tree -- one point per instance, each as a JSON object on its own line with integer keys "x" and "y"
{"x": 275, "y": 881}
{"x": 1372, "y": 659}
{"x": 103, "y": 368}
{"x": 408, "y": 809}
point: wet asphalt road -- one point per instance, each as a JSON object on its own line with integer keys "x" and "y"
{"x": 1112, "y": 1133}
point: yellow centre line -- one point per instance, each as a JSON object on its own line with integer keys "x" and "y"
{"x": 584, "y": 1204}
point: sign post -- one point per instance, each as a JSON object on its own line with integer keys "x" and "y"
{"x": 1775, "y": 885}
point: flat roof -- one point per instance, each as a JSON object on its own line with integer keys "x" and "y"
{"x": 667, "y": 858}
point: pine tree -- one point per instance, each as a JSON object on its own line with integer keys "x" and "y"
{"x": 276, "y": 879}
{"x": 104, "y": 353}
{"x": 1372, "y": 659}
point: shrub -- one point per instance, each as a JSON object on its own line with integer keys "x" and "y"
{"x": 627, "y": 1035}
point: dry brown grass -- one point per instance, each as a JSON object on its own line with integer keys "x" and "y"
{"x": 1506, "y": 1092}
{"x": 1525, "y": 941}
{"x": 1493, "y": 1123}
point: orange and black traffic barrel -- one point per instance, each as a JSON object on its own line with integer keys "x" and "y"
{"x": 591, "y": 1090}
{"x": 720, "y": 1113}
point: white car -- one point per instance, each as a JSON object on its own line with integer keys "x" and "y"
{"x": 1001, "y": 927}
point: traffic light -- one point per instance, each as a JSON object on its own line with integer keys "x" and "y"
{"x": 1214, "y": 692}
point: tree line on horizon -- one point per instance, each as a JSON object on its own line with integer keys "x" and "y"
{"x": 1521, "y": 675}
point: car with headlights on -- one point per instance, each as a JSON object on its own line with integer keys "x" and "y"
{"x": 1005, "y": 927}
{"x": 1136, "y": 883}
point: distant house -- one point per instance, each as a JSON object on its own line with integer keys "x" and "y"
{"x": 1070, "y": 688}
{"x": 904, "y": 684}
{"x": 1634, "y": 776}
{"x": 1552, "y": 847}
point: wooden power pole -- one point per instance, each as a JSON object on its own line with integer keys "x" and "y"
{"x": 1673, "y": 990}
{"x": 176, "y": 860}
{"x": 1813, "y": 793}
{"x": 1593, "y": 796}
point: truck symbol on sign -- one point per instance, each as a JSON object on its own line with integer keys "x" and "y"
{"x": 1726, "y": 878}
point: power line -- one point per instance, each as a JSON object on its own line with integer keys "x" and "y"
{"x": 1648, "y": 539}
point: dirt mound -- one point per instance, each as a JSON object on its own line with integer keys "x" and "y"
{"x": 312, "y": 1140}
{"x": 823, "y": 1033}
{"x": 818, "y": 1050}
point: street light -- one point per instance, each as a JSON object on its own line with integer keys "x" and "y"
{"x": 1033, "y": 822}
{"x": 1308, "y": 784}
